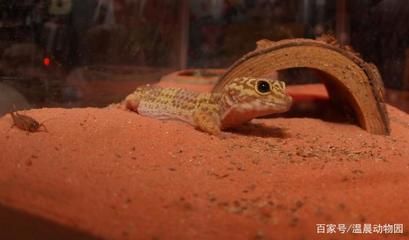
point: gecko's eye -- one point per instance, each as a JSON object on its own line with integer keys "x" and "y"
{"x": 263, "y": 86}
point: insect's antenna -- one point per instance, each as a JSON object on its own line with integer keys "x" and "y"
{"x": 42, "y": 125}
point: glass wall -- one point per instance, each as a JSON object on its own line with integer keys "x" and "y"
{"x": 92, "y": 52}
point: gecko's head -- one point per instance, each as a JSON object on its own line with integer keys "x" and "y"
{"x": 246, "y": 98}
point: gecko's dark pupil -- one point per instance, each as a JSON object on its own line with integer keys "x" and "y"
{"x": 263, "y": 86}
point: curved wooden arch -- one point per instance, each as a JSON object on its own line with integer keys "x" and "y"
{"x": 350, "y": 80}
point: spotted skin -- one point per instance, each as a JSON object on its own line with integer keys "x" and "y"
{"x": 241, "y": 100}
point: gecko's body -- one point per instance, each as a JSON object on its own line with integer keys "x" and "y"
{"x": 240, "y": 101}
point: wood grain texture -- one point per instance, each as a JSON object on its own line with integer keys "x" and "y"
{"x": 349, "y": 79}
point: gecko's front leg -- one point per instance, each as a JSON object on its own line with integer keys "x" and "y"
{"x": 206, "y": 115}
{"x": 207, "y": 122}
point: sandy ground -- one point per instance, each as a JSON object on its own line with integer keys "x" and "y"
{"x": 114, "y": 174}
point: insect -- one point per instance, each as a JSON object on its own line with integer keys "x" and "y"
{"x": 26, "y": 123}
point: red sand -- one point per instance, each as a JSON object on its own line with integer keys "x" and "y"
{"x": 118, "y": 175}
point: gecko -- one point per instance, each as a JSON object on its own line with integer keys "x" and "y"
{"x": 240, "y": 100}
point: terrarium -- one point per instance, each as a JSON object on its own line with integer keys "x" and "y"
{"x": 221, "y": 119}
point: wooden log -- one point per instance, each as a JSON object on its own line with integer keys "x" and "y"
{"x": 349, "y": 79}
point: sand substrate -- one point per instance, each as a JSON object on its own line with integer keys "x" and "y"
{"x": 112, "y": 174}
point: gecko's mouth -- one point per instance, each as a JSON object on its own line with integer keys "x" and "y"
{"x": 280, "y": 108}
{"x": 274, "y": 108}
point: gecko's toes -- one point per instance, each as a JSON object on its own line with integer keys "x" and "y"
{"x": 225, "y": 135}
{"x": 114, "y": 106}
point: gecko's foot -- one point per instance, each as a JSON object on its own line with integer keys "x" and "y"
{"x": 207, "y": 122}
{"x": 226, "y": 135}
{"x": 120, "y": 105}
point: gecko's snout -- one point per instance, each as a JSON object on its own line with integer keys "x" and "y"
{"x": 282, "y": 103}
